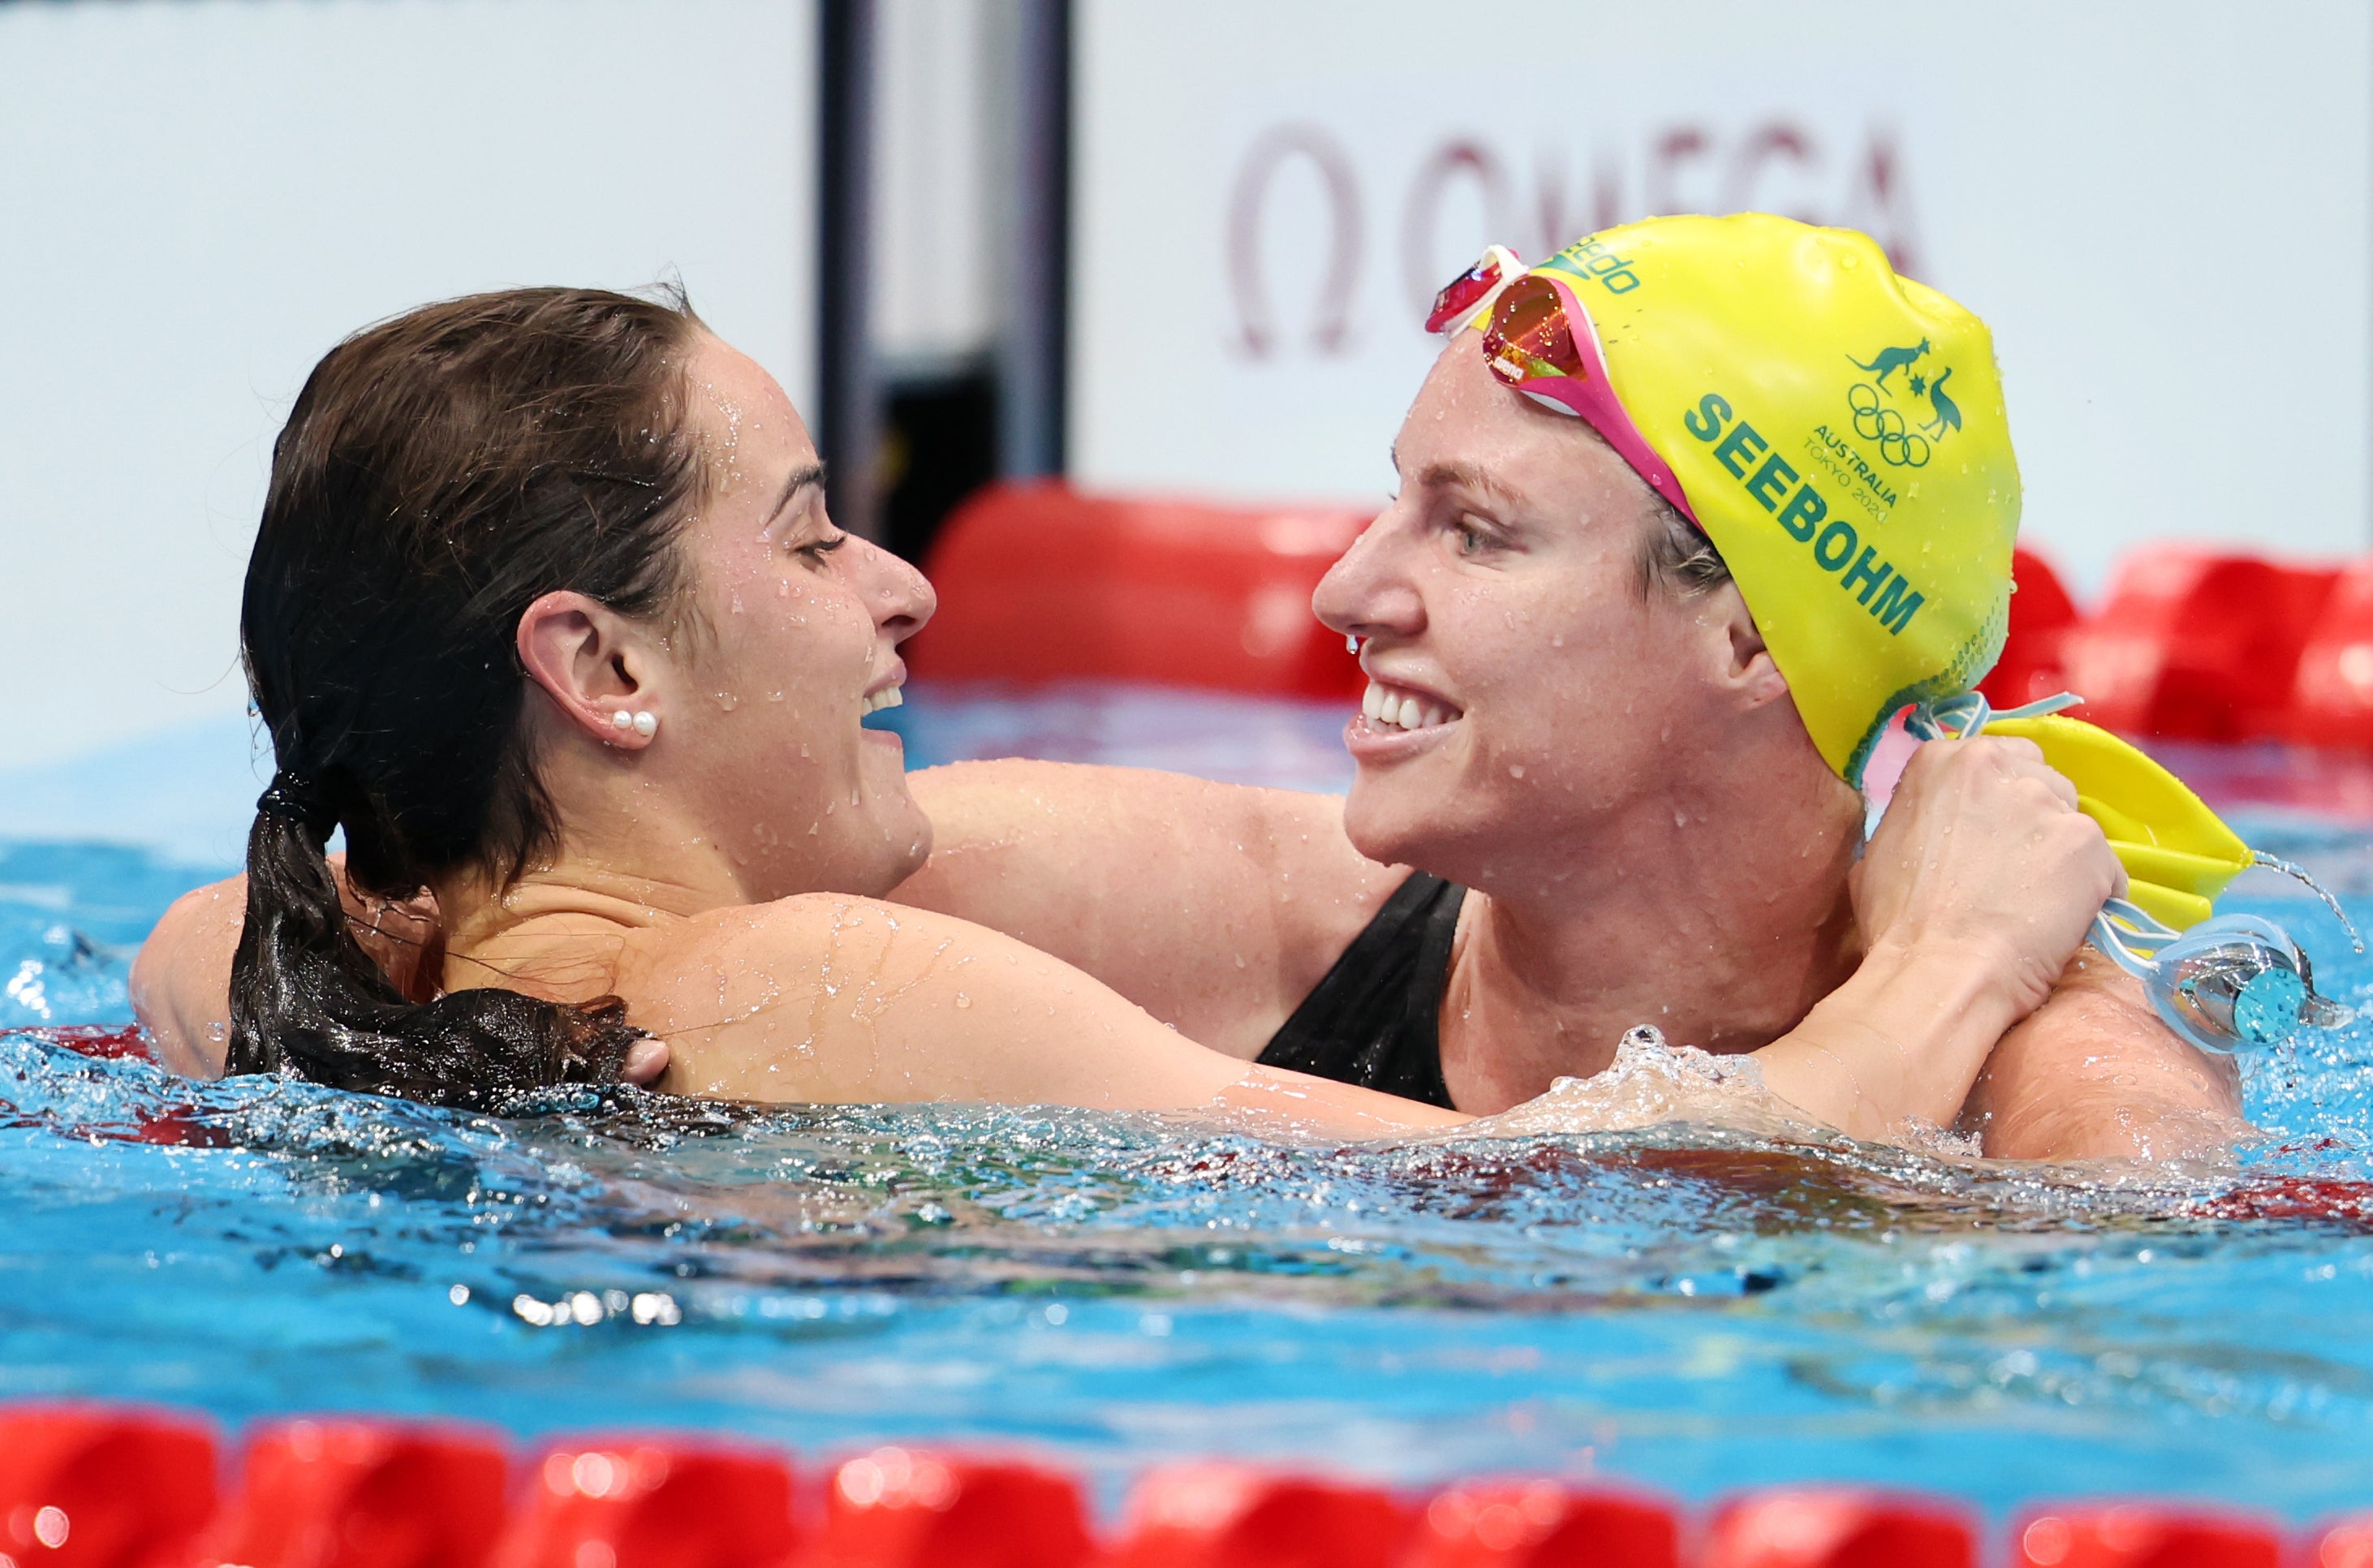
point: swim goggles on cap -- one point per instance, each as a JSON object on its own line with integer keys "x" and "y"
{"x": 2234, "y": 983}
{"x": 1538, "y": 339}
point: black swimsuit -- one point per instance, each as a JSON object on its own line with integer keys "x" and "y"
{"x": 1375, "y": 1019}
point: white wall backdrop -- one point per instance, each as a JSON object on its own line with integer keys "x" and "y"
{"x": 2164, "y": 210}
{"x": 198, "y": 197}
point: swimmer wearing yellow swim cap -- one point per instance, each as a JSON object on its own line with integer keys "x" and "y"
{"x": 1838, "y": 433}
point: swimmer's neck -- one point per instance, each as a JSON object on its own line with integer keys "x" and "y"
{"x": 1719, "y": 912}
{"x": 580, "y": 895}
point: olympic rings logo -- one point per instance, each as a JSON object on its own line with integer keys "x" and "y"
{"x": 1873, "y": 421}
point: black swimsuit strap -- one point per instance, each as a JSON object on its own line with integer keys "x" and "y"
{"x": 1375, "y": 1020}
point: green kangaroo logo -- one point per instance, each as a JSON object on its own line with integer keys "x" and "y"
{"x": 1890, "y": 360}
{"x": 1948, "y": 410}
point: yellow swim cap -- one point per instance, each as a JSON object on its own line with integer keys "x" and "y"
{"x": 1837, "y": 432}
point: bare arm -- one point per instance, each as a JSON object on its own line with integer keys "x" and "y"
{"x": 180, "y": 979}
{"x": 2094, "y": 1074}
{"x": 823, "y": 998}
{"x": 1214, "y": 906}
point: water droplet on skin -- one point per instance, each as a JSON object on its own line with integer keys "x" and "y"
{"x": 1515, "y": 770}
{"x": 1558, "y": 641}
{"x": 963, "y": 1001}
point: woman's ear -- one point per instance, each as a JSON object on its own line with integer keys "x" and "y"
{"x": 591, "y": 662}
{"x": 1748, "y": 669}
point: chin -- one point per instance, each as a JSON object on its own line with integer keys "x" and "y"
{"x": 912, "y": 850}
{"x": 1394, "y": 825}
{"x": 1471, "y": 833}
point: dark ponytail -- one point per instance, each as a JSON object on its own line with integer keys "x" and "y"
{"x": 439, "y": 472}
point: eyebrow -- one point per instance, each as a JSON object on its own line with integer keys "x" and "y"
{"x": 807, "y": 474}
{"x": 1470, "y": 475}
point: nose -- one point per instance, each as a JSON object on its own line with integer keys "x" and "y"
{"x": 902, "y": 598}
{"x": 1369, "y": 591}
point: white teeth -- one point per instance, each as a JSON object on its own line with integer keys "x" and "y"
{"x": 889, "y": 697}
{"x": 1387, "y": 708}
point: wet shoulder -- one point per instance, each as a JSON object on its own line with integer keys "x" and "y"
{"x": 808, "y": 998}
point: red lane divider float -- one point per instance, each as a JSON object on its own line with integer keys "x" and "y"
{"x": 1225, "y": 1515}
{"x": 2035, "y": 654}
{"x": 906, "y": 1508}
{"x": 2331, "y": 701}
{"x": 1540, "y": 1523}
{"x": 2197, "y": 644}
{"x": 2347, "y": 1543}
{"x": 1171, "y": 592}
{"x": 94, "y": 1487}
{"x": 363, "y": 1494}
{"x": 652, "y": 1503}
{"x": 2143, "y": 1535}
{"x": 1841, "y": 1529}
{"x": 88, "y": 1486}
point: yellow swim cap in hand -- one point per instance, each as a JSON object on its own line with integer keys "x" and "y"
{"x": 2178, "y": 854}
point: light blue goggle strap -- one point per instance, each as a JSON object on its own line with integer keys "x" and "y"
{"x": 1959, "y": 717}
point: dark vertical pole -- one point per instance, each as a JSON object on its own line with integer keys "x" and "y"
{"x": 848, "y": 401}
{"x": 1030, "y": 363}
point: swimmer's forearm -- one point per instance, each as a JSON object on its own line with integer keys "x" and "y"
{"x": 1900, "y": 1041}
{"x": 1275, "y": 1101}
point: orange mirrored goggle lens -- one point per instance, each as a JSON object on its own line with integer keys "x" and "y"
{"x": 1529, "y": 334}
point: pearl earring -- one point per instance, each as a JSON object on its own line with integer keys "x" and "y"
{"x": 646, "y": 724}
{"x": 622, "y": 720}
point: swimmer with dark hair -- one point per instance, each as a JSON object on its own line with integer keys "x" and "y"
{"x": 547, "y": 614}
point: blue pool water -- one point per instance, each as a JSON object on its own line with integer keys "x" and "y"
{"x": 1692, "y": 1309}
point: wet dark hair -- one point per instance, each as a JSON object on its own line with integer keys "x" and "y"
{"x": 1676, "y": 557}
{"x": 439, "y": 472}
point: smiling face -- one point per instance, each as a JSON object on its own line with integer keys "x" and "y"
{"x": 788, "y": 639}
{"x": 1523, "y": 689}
